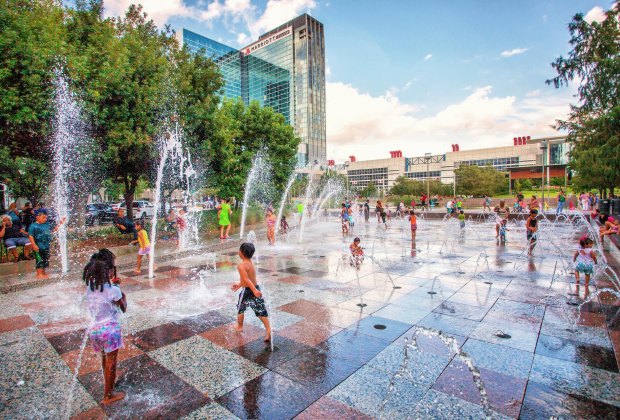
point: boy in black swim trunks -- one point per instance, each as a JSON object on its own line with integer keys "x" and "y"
{"x": 531, "y": 230}
{"x": 251, "y": 295}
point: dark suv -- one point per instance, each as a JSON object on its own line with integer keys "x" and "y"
{"x": 99, "y": 213}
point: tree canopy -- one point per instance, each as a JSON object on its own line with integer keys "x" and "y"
{"x": 130, "y": 78}
{"x": 593, "y": 124}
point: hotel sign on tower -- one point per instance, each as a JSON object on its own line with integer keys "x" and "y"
{"x": 266, "y": 41}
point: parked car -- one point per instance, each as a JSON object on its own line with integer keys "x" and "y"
{"x": 141, "y": 209}
{"x": 116, "y": 206}
{"x": 99, "y": 213}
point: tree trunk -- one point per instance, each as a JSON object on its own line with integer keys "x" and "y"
{"x": 129, "y": 193}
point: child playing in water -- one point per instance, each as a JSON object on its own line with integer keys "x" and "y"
{"x": 251, "y": 295}
{"x": 40, "y": 236}
{"x": 223, "y": 215}
{"x": 461, "y": 218}
{"x": 271, "y": 226}
{"x": 344, "y": 220}
{"x": 104, "y": 302}
{"x": 413, "y": 222}
{"x": 145, "y": 246}
{"x": 283, "y": 226}
{"x": 503, "y": 227}
{"x": 584, "y": 260}
{"x": 357, "y": 253}
{"x": 531, "y": 230}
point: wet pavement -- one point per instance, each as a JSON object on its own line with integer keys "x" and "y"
{"x": 342, "y": 339}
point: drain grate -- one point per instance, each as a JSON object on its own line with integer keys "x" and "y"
{"x": 432, "y": 293}
{"x": 379, "y": 327}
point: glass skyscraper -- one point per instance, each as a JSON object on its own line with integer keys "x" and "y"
{"x": 284, "y": 70}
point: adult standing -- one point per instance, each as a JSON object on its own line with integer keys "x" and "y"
{"x": 561, "y": 200}
{"x": 423, "y": 200}
{"x": 367, "y": 211}
{"x": 223, "y": 215}
{"x": 125, "y": 226}
{"x": 27, "y": 216}
{"x": 534, "y": 205}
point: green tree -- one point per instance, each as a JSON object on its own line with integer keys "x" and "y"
{"x": 31, "y": 43}
{"x": 369, "y": 190}
{"x": 479, "y": 180}
{"x": 593, "y": 124}
{"x": 24, "y": 176}
{"x": 242, "y": 132}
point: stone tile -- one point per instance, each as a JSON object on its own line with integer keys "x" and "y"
{"x": 329, "y": 408}
{"x": 34, "y": 380}
{"x": 449, "y": 324}
{"x": 459, "y": 310}
{"x": 255, "y": 399}
{"x": 261, "y": 353}
{"x": 204, "y": 322}
{"x": 577, "y": 352}
{"x": 352, "y": 345}
{"x": 212, "y": 411}
{"x": 519, "y": 338}
{"x": 226, "y": 336}
{"x": 479, "y": 300}
{"x": 499, "y": 358}
{"x": 332, "y": 286}
{"x": 543, "y": 402}
{"x": 352, "y": 305}
{"x": 309, "y": 333}
{"x": 151, "y": 391}
{"x": 584, "y": 334}
{"x": 64, "y": 343}
{"x": 91, "y": 360}
{"x": 417, "y": 366}
{"x": 295, "y": 279}
{"x": 212, "y": 370}
{"x": 427, "y": 341}
{"x": 15, "y": 323}
{"x": 383, "y": 328}
{"x": 505, "y": 393}
{"x": 295, "y": 270}
{"x": 573, "y": 378}
{"x": 161, "y": 335}
{"x": 402, "y": 314}
{"x": 368, "y": 390}
{"x": 310, "y": 310}
{"x": 437, "y": 405}
{"x": 318, "y": 370}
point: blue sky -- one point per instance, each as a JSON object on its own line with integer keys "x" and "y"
{"x": 414, "y": 75}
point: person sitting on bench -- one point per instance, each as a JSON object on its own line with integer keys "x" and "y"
{"x": 124, "y": 225}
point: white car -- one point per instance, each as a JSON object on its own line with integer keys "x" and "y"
{"x": 141, "y": 209}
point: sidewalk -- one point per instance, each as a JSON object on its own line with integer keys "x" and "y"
{"x": 21, "y": 276}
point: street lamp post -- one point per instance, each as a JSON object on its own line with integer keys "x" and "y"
{"x": 543, "y": 147}
{"x": 427, "y": 158}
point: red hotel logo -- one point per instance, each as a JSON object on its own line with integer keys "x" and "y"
{"x": 266, "y": 41}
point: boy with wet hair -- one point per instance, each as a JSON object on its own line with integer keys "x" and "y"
{"x": 251, "y": 295}
{"x": 40, "y": 236}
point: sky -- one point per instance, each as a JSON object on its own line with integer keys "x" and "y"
{"x": 414, "y": 75}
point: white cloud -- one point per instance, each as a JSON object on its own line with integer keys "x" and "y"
{"x": 533, "y": 93}
{"x": 595, "y": 14}
{"x": 516, "y": 51}
{"x": 242, "y": 38}
{"x": 408, "y": 84}
{"x": 162, "y": 10}
{"x": 428, "y": 57}
{"x": 368, "y": 126}
{"x": 277, "y": 12}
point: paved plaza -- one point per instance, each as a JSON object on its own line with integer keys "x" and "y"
{"x": 331, "y": 357}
